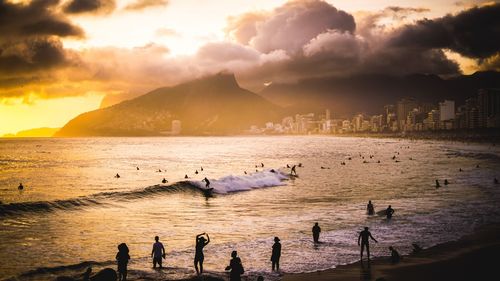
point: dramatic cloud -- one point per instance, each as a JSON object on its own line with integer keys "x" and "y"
{"x": 89, "y": 6}
{"x": 143, "y": 4}
{"x": 290, "y": 26}
{"x": 34, "y": 19}
{"x": 473, "y": 33}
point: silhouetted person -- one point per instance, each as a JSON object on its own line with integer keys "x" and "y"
{"x": 158, "y": 252}
{"x": 236, "y": 267}
{"x": 437, "y": 184}
{"x": 201, "y": 242}
{"x": 207, "y": 182}
{"x": 272, "y": 171}
{"x": 389, "y": 212}
{"x": 495, "y": 181}
{"x": 245, "y": 172}
{"x": 262, "y": 165}
{"x": 86, "y": 274}
{"x": 159, "y": 170}
{"x": 446, "y": 182}
{"x": 164, "y": 180}
{"x": 20, "y": 187}
{"x": 365, "y": 243}
{"x": 201, "y": 169}
{"x": 477, "y": 166}
{"x": 186, "y": 176}
{"x": 288, "y": 166}
{"x": 300, "y": 165}
{"x": 117, "y": 176}
{"x": 460, "y": 170}
{"x": 395, "y": 257}
{"x": 316, "y": 230}
{"x": 369, "y": 208}
{"x": 293, "y": 171}
{"x": 122, "y": 258}
{"x": 196, "y": 172}
{"x": 276, "y": 254}
{"x": 137, "y": 168}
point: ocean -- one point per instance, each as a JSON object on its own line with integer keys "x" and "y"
{"x": 73, "y": 211}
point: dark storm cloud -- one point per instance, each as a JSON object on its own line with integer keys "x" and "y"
{"x": 89, "y": 6}
{"x": 34, "y": 19}
{"x": 473, "y": 33}
{"x": 143, "y": 4}
{"x": 31, "y": 55}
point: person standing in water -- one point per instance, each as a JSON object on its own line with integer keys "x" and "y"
{"x": 201, "y": 242}
{"x": 20, "y": 187}
{"x": 437, "y": 184}
{"x": 276, "y": 254}
{"x": 207, "y": 182}
{"x": 293, "y": 172}
{"x": 316, "y": 230}
{"x": 158, "y": 252}
{"x": 389, "y": 212}
{"x": 236, "y": 267}
{"x": 369, "y": 208}
{"x": 122, "y": 258}
{"x": 365, "y": 243}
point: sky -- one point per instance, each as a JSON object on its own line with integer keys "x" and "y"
{"x": 60, "y": 58}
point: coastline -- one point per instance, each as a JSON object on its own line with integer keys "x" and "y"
{"x": 472, "y": 257}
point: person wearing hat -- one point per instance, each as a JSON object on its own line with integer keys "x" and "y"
{"x": 275, "y": 257}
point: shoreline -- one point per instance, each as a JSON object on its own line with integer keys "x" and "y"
{"x": 471, "y": 257}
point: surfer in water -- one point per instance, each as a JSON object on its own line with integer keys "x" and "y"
{"x": 293, "y": 172}
{"x": 365, "y": 243}
{"x": 196, "y": 172}
{"x": 316, "y": 230}
{"x": 117, "y": 176}
{"x": 369, "y": 208}
{"x": 164, "y": 180}
{"x": 158, "y": 252}
{"x": 186, "y": 176}
{"x": 389, "y": 212}
{"x": 446, "y": 182}
{"x": 437, "y": 184}
{"x": 207, "y": 183}
{"x": 201, "y": 242}
{"x": 20, "y": 187}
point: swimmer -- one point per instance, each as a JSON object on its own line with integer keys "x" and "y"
{"x": 196, "y": 172}
{"x": 446, "y": 182}
{"x": 437, "y": 184}
{"x": 186, "y": 176}
{"x": 262, "y": 165}
{"x": 137, "y": 168}
{"x": 164, "y": 180}
{"x": 20, "y": 187}
{"x": 117, "y": 176}
{"x": 245, "y": 172}
{"x": 201, "y": 169}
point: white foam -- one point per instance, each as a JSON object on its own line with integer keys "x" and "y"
{"x": 255, "y": 180}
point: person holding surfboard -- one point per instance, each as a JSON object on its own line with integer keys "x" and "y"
{"x": 389, "y": 212}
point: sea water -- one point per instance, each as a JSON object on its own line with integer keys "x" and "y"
{"x": 73, "y": 211}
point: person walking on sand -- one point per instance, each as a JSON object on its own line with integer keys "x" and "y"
{"x": 369, "y": 208}
{"x": 122, "y": 258}
{"x": 201, "y": 242}
{"x": 236, "y": 267}
{"x": 316, "y": 230}
{"x": 365, "y": 243}
{"x": 389, "y": 212}
{"x": 276, "y": 254}
{"x": 158, "y": 252}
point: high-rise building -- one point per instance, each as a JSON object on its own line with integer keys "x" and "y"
{"x": 446, "y": 110}
{"x": 471, "y": 113}
{"x": 176, "y": 127}
{"x": 403, "y": 107}
{"x": 488, "y": 107}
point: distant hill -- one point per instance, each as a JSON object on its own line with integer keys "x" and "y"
{"x": 369, "y": 93}
{"x": 211, "y": 105}
{"x": 37, "y": 132}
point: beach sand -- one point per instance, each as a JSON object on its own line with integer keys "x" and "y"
{"x": 473, "y": 257}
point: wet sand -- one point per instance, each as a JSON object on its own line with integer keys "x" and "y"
{"x": 474, "y": 257}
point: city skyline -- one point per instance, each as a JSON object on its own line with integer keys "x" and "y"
{"x": 70, "y": 56}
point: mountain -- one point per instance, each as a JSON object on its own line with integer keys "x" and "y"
{"x": 211, "y": 105}
{"x": 37, "y": 132}
{"x": 369, "y": 93}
